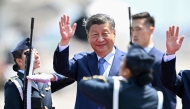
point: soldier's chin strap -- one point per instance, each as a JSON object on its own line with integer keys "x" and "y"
{"x": 116, "y": 87}
{"x": 160, "y": 100}
{"x": 29, "y": 84}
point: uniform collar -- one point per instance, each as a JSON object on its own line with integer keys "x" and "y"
{"x": 20, "y": 74}
{"x": 21, "y": 71}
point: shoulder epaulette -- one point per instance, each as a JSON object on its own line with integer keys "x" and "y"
{"x": 96, "y": 76}
{"x": 14, "y": 80}
{"x": 100, "y": 77}
{"x": 86, "y": 78}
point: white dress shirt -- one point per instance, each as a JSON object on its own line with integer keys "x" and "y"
{"x": 61, "y": 48}
{"x": 21, "y": 71}
{"x": 149, "y": 47}
{"x": 168, "y": 57}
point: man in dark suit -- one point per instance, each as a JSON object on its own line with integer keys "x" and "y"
{"x": 178, "y": 84}
{"x": 101, "y": 34}
{"x": 142, "y": 33}
{"x": 41, "y": 93}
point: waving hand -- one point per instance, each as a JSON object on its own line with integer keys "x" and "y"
{"x": 173, "y": 43}
{"x": 66, "y": 30}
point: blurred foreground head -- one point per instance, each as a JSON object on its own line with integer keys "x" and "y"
{"x": 137, "y": 64}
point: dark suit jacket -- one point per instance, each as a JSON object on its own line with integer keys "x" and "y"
{"x": 131, "y": 95}
{"x": 169, "y": 97}
{"x": 14, "y": 101}
{"x": 83, "y": 64}
{"x": 178, "y": 84}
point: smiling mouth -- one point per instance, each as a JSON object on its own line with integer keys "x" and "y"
{"x": 101, "y": 46}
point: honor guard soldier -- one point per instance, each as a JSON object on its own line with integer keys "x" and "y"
{"x": 41, "y": 92}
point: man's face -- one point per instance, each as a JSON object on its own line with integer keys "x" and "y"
{"x": 102, "y": 38}
{"x": 141, "y": 32}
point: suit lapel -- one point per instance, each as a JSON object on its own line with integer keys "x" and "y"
{"x": 93, "y": 64}
{"x": 118, "y": 57}
{"x": 152, "y": 51}
{"x": 114, "y": 70}
{"x": 157, "y": 54}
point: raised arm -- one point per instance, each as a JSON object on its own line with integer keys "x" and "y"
{"x": 169, "y": 78}
{"x": 61, "y": 54}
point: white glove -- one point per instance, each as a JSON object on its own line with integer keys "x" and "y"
{"x": 39, "y": 78}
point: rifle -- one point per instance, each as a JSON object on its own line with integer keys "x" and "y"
{"x": 28, "y": 71}
{"x": 130, "y": 28}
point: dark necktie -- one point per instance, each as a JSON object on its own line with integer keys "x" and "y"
{"x": 101, "y": 66}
